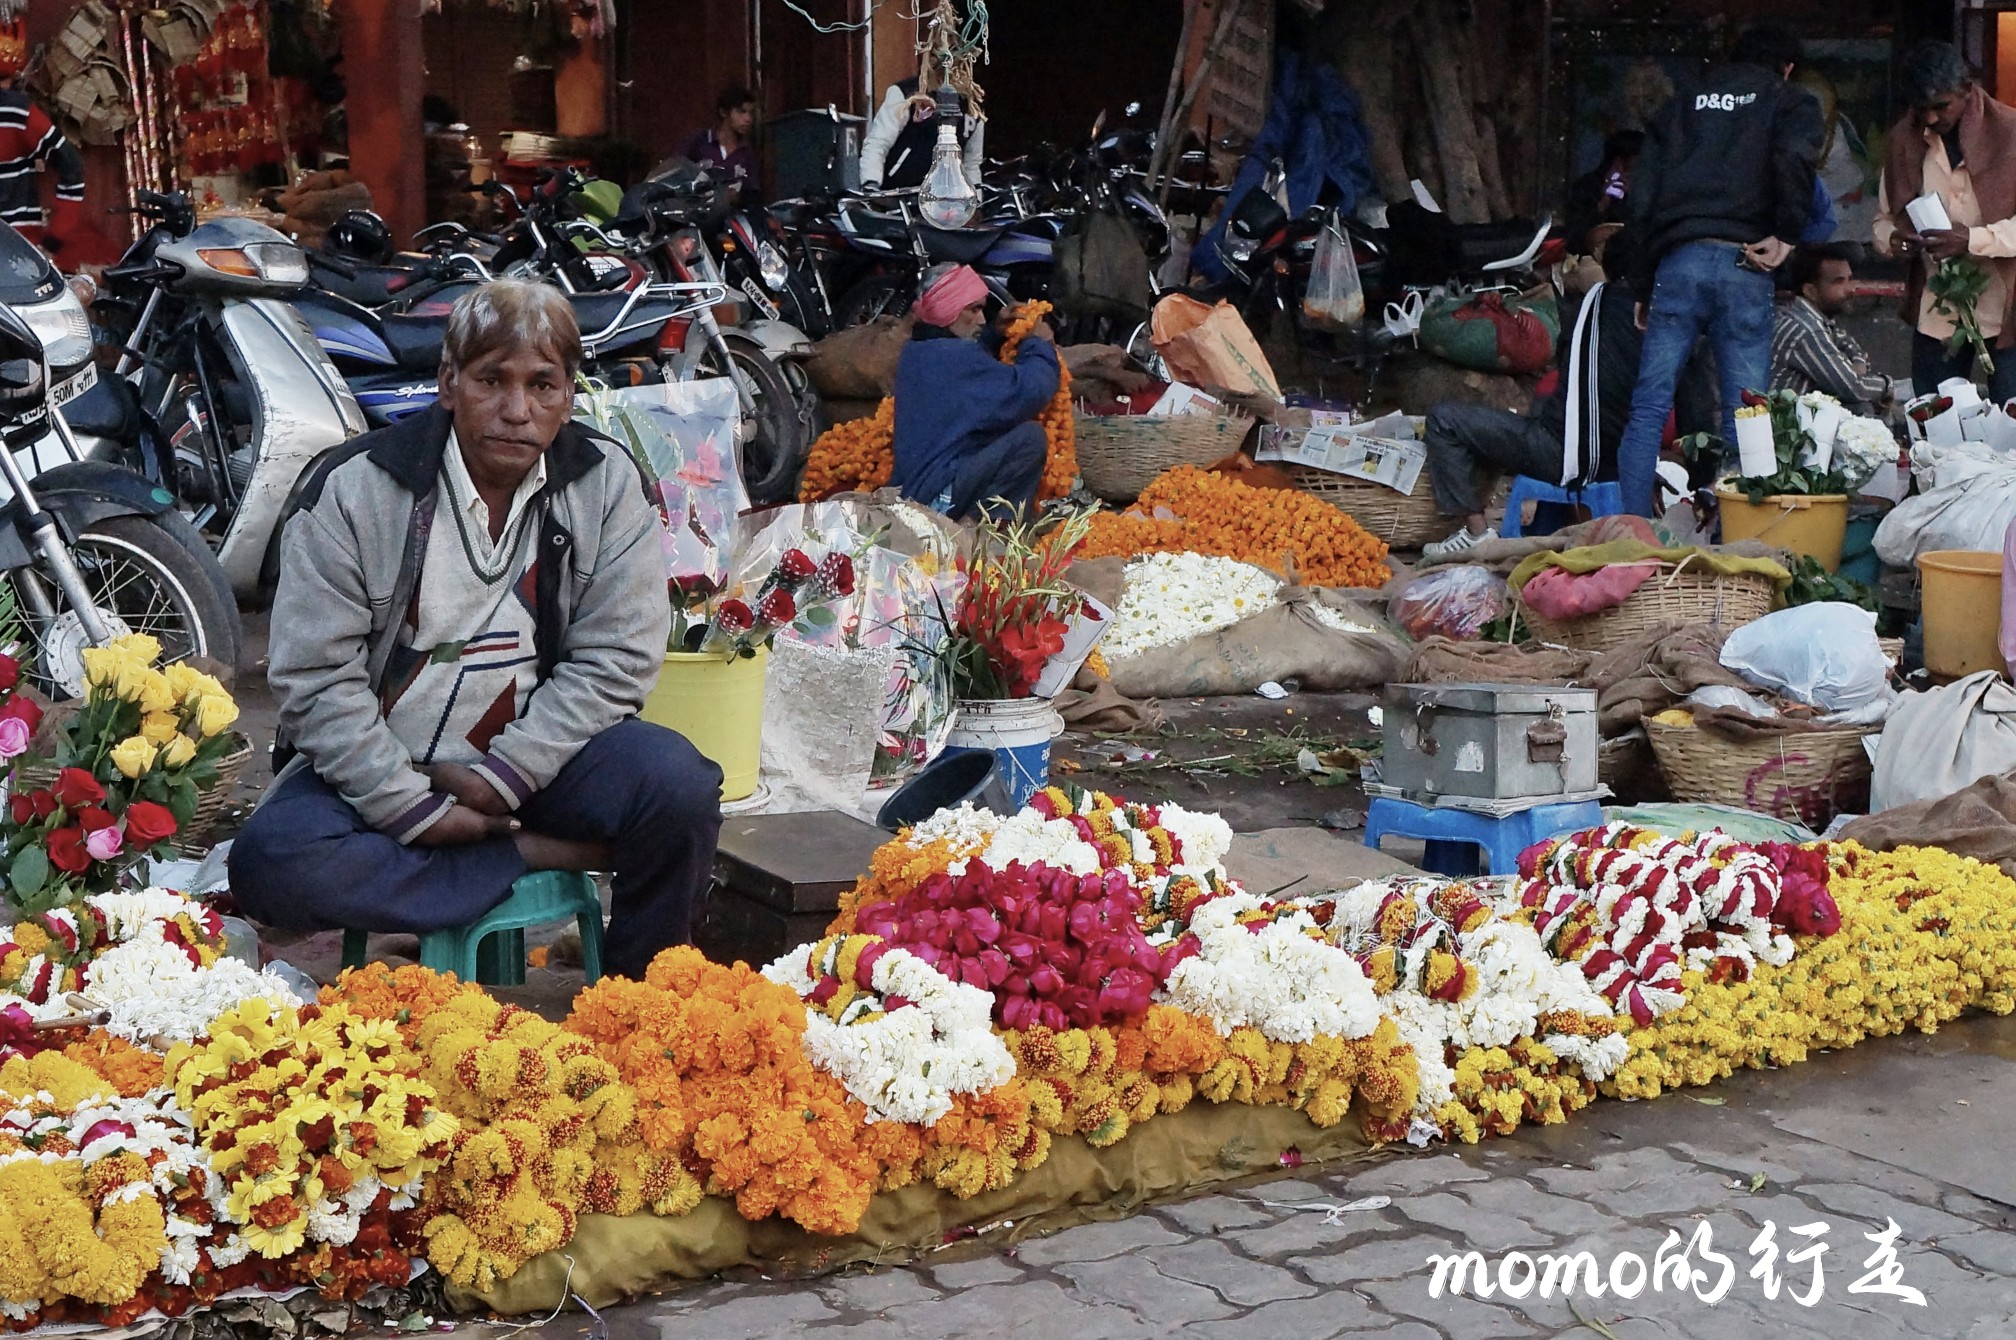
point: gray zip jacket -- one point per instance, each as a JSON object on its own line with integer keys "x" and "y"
{"x": 350, "y": 564}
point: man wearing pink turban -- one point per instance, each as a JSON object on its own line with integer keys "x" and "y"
{"x": 966, "y": 430}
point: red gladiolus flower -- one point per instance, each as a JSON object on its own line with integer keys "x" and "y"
{"x": 733, "y": 616}
{"x": 777, "y": 607}
{"x": 66, "y": 850}
{"x": 796, "y": 565}
{"x": 76, "y": 788}
{"x": 148, "y": 823}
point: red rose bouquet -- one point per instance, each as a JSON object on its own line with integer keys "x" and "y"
{"x": 796, "y": 589}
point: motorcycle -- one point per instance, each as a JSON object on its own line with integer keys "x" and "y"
{"x": 91, "y": 551}
{"x": 245, "y": 399}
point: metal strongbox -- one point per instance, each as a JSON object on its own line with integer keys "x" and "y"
{"x": 1491, "y": 741}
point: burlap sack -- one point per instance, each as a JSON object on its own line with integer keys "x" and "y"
{"x": 1282, "y": 643}
{"x": 859, "y": 363}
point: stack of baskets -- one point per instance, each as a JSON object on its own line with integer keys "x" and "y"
{"x": 1805, "y": 776}
{"x": 1402, "y": 520}
{"x": 1677, "y": 594}
{"x": 1119, "y": 455}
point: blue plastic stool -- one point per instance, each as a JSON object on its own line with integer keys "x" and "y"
{"x": 1454, "y": 837}
{"x": 1606, "y": 499}
{"x": 491, "y": 950}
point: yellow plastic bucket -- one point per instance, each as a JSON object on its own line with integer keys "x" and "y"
{"x": 1962, "y": 604}
{"x": 718, "y": 705}
{"x": 1814, "y": 526}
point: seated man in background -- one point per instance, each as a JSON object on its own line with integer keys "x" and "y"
{"x": 966, "y": 430}
{"x": 1571, "y": 435}
{"x": 471, "y": 610}
{"x": 1809, "y": 350}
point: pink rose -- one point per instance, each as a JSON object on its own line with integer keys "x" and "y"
{"x": 104, "y": 844}
{"x": 14, "y": 735}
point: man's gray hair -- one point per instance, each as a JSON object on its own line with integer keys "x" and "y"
{"x": 512, "y": 314}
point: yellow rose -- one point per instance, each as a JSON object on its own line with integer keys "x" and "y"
{"x": 133, "y": 755}
{"x": 214, "y": 713}
{"x": 158, "y": 726}
{"x": 156, "y": 695}
{"x": 112, "y": 670}
{"x": 190, "y": 684}
{"x": 179, "y": 751}
{"x": 140, "y": 647}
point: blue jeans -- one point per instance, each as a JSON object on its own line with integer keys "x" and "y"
{"x": 1700, "y": 289}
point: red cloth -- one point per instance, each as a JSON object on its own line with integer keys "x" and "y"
{"x": 1524, "y": 346}
{"x": 1556, "y": 593}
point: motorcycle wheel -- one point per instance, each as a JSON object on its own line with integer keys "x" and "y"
{"x": 877, "y": 295}
{"x": 145, "y": 581}
{"x": 780, "y": 429}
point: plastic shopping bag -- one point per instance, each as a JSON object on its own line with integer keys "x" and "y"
{"x": 1335, "y": 299}
{"x": 682, "y": 436}
{"x": 1210, "y": 346}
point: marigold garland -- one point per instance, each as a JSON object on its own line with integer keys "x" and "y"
{"x": 1283, "y": 529}
{"x": 859, "y": 454}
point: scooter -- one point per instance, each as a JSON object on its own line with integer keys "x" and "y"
{"x": 246, "y": 399}
{"x": 91, "y": 551}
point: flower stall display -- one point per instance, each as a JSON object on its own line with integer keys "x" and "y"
{"x": 859, "y": 455}
{"x": 130, "y": 769}
{"x": 1202, "y": 512}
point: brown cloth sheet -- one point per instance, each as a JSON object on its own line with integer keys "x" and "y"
{"x": 1641, "y": 678}
{"x": 1979, "y": 820}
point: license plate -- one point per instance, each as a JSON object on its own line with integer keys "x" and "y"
{"x": 757, "y": 296}
{"x": 67, "y": 390}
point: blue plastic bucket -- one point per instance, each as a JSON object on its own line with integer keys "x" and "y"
{"x": 1017, "y": 731}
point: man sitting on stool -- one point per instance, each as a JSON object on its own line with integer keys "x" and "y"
{"x": 472, "y": 608}
{"x": 966, "y": 430}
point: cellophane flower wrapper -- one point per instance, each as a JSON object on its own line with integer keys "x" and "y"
{"x": 682, "y": 436}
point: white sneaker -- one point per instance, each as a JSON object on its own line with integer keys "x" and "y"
{"x": 1462, "y": 542}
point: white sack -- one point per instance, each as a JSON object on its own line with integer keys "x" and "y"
{"x": 1966, "y": 500}
{"x": 1938, "y": 742}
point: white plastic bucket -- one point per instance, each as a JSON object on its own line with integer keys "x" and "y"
{"x": 1018, "y": 731}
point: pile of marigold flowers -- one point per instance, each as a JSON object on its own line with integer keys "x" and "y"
{"x": 860, "y": 455}
{"x": 1283, "y": 529}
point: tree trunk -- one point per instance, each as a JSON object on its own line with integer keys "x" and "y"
{"x": 1451, "y": 117}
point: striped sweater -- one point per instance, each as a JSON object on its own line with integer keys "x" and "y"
{"x": 30, "y": 142}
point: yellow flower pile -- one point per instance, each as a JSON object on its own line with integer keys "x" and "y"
{"x": 547, "y": 1130}
{"x": 1925, "y": 935}
{"x": 298, "y": 1106}
{"x": 1498, "y": 1088}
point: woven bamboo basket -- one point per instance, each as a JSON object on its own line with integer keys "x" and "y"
{"x": 1402, "y": 520}
{"x": 1120, "y": 454}
{"x": 194, "y": 835}
{"x": 1674, "y": 595}
{"x": 1626, "y": 765}
{"x": 1807, "y": 776}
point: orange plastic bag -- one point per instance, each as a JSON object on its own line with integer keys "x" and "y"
{"x": 1210, "y": 346}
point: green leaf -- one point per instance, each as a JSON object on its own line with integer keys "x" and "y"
{"x": 182, "y": 800}
{"x": 1757, "y": 1181}
{"x": 1710, "y": 1102}
{"x": 30, "y": 871}
{"x": 821, "y": 616}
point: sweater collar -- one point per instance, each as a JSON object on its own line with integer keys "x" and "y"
{"x": 411, "y": 451}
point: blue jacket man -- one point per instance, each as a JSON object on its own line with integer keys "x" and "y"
{"x": 966, "y": 430}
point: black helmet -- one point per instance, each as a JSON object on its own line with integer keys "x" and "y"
{"x": 361, "y": 235}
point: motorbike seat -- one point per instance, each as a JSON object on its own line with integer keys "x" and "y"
{"x": 372, "y": 285}
{"x": 960, "y": 245}
{"x": 594, "y": 311}
{"x": 415, "y": 341}
{"x": 106, "y": 410}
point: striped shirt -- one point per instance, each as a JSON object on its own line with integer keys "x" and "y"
{"x": 1809, "y": 352}
{"x": 30, "y": 142}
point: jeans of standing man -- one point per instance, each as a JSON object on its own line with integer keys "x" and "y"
{"x": 1931, "y": 364}
{"x": 1700, "y": 288}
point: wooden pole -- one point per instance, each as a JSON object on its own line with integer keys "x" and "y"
{"x": 1165, "y": 129}
{"x": 1221, "y": 35}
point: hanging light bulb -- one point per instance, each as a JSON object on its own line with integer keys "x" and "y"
{"x": 946, "y": 198}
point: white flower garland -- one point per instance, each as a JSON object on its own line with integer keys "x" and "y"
{"x": 1282, "y": 980}
{"x": 905, "y": 1063}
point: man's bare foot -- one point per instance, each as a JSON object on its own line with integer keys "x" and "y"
{"x": 551, "y": 853}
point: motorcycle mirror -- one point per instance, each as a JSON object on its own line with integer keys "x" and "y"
{"x": 18, "y": 374}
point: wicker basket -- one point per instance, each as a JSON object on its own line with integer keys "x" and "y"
{"x": 1625, "y": 764}
{"x": 1402, "y": 520}
{"x": 1675, "y": 595}
{"x": 1120, "y": 454}
{"x": 194, "y": 835}
{"x": 1807, "y": 776}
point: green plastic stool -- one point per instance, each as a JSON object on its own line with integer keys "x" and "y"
{"x": 491, "y": 951}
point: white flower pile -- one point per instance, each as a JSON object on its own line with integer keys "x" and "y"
{"x": 1281, "y": 980}
{"x": 904, "y": 1064}
{"x": 1172, "y": 598}
{"x": 1861, "y": 447}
